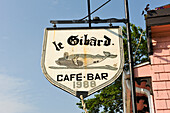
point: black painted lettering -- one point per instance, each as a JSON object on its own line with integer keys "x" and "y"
{"x": 97, "y": 77}
{"x": 72, "y": 76}
{"x": 59, "y": 77}
{"x": 90, "y": 76}
{"x": 81, "y": 41}
{"x": 56, "y": 46}
{"x": 73, "y": 40}
{"x": 99, "y": 42}
{"x": 86, "y": 41}
{"x": 107, "y": 41}
{"x": 79, "y": 77}
{"x": 66, "y": 78}
{"x": 104, "y": 76}
{"x": 60, "y": 45}
{"x": 93, "y": 41}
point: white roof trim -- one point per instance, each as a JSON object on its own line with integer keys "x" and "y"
{"x": 142, "y": 64}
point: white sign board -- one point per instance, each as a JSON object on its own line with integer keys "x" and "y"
{"x": 82, "y": 60}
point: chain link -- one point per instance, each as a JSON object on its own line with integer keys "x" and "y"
{"x": 83, "y": 104}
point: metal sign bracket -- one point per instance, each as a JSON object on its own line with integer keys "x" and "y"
{"x": 111, "y": 20}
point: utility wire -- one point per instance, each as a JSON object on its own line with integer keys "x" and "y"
{"x": 96, "y": 9}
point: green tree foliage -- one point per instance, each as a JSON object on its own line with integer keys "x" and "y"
{"x": 139, "y": 45}
{"x": 109, "y": 99}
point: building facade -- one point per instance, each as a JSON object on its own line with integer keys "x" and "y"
{"x": 153, "y": 77}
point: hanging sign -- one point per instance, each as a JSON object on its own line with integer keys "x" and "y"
{"x": 82, "y": 61}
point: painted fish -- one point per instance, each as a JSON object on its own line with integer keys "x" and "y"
{"x": 82, "y": 60}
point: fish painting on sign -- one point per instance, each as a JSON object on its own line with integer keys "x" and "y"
{"x": 83, "y": 61}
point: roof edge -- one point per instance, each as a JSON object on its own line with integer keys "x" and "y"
{"x": 142, "y": 64}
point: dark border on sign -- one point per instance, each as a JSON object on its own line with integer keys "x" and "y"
{"x": 74, "y": 93}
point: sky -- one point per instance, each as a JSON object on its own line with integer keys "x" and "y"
{"x": 23, "y": 87}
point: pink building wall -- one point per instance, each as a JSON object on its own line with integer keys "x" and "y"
{"x": 159, "y": 68}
